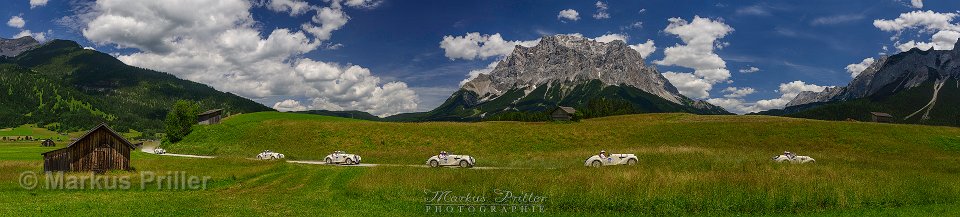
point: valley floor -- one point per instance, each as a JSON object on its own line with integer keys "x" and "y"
{"x": 689, "y": 165}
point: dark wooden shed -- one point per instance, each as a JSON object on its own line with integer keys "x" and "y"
{"x": 881, "y": 117}
{"x": 563, "y": 113}
{"x": 100, "y": 149}
{"x": 210, "y": 117}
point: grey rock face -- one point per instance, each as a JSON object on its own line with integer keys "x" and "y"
{"x": 807, "y": 97}
{"x": 13, "y": 47}
{"x": 571, "y": 60}
{"x": 907, "y": 69}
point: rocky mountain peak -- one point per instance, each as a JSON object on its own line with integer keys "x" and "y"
{"x": 567, "y": 61}
{"x": 13, "y": 47}
{"x": 889, "y": 74}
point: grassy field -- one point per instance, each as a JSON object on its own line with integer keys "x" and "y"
{"x": 35, "y": 132}
{"x": 689, "y": 165}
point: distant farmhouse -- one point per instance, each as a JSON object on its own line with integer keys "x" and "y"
{"x": 881, "y": 117}
{"x": 47, "y": 143}
{"x": 100, "y": 149}
{"x": 563, "y": 113}
{"x": 210, "y": 117}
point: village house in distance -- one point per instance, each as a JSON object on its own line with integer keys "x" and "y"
{"x": 100, "y": 149}
{"x": 881, "y": 117}
{"x": 563, "y": 113}
{"x": 210, "y": 117}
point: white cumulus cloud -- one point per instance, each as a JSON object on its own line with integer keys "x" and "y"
{"x": 289, "y": 105}
{"x": 856, "y": 68}
{"x": 216, "y": 42}
{"x": 700, "y": 37}
{"x": 295, "y": 7}
{"x": 16, "y": 22}
{"x": 751, "y": 69}
{"x": 476, "y": 46}
{"x": 37, "y": 3}
{"x": 329, "y": 19}
{"x": 601, "y": 11}
{"x": 689, "y": 84}
{"x": 787, "y": 91}
{"x": 645, "y": 48}
{"x": 569, "y": 14}
{"x": 916, "y": 3}
{"x": 926, "y": 20}
{"x": 945, "y": 32}
{"x": 39, "y": 36}
{"x": 735, "y": 92}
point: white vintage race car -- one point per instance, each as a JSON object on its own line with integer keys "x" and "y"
{"x": 463, "y": 161}
{"x": 159, "y": 151}
{"x": 340, "y": 157}
{"x": 269, "y": 155}
{"x": 610, "y": 160}
{"x": 795, "y": 159}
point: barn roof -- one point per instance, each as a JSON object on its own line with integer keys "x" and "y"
{"x": 881, "y": 114}
{"x": 210, "y": 112}
{"x": 102, "y": 125}
{"x": 570, "y": 110}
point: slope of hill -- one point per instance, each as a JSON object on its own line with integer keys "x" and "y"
{"x": 906, "y": 106}
{"x": 62, "y": 86}
{"x": 689, "y": 164}
{"x": 344, "y": 114}
{"x": 13, "y": 47}
{"x": 566, "y": 70}
{"x": 916, "y": 86}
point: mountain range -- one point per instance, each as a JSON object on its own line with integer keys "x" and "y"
{"x": 566, "y": 70}
{"x": 62, "y": 86}
{"x": 915, "y": 86}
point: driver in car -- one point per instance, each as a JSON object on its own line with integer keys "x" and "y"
{"x": 789, "y": 154}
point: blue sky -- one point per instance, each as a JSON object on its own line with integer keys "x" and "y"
{"x": 386, "y": 43}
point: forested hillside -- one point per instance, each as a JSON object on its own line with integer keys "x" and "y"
{"x": 63, "y": 87}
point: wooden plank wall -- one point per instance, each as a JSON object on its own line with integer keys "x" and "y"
{"x": 100, "y": 150}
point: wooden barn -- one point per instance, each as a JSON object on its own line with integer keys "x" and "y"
{"x": 563, "y": 113}
{"x": 100, "y": 149}
{"x": 48, "y": 143}
{"x": 210, "y": 117}
{"x": 881, "y": 117}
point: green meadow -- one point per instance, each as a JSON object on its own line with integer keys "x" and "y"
{"x": 32, "y": 131}
{"x": 689, "y": 165}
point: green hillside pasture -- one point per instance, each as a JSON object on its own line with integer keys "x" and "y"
{"x": 32, "y": 131}
{"x": 241, "y": 187}
{"x": 689, "y": 165}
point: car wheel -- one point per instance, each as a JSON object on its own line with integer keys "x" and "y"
{"x": 349, "y": 161}
{"x": 273, "y": 157}
{"x": 259, "y": 158}
{"x": 596, "y": 164}
{"x": 632, "y": 162}
{"x": 434, "y": 164}
{"x": 464, "y": 164}
{"x": 328, "y": 161}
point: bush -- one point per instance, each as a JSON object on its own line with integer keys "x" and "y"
{"x": 180, "y": 119}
